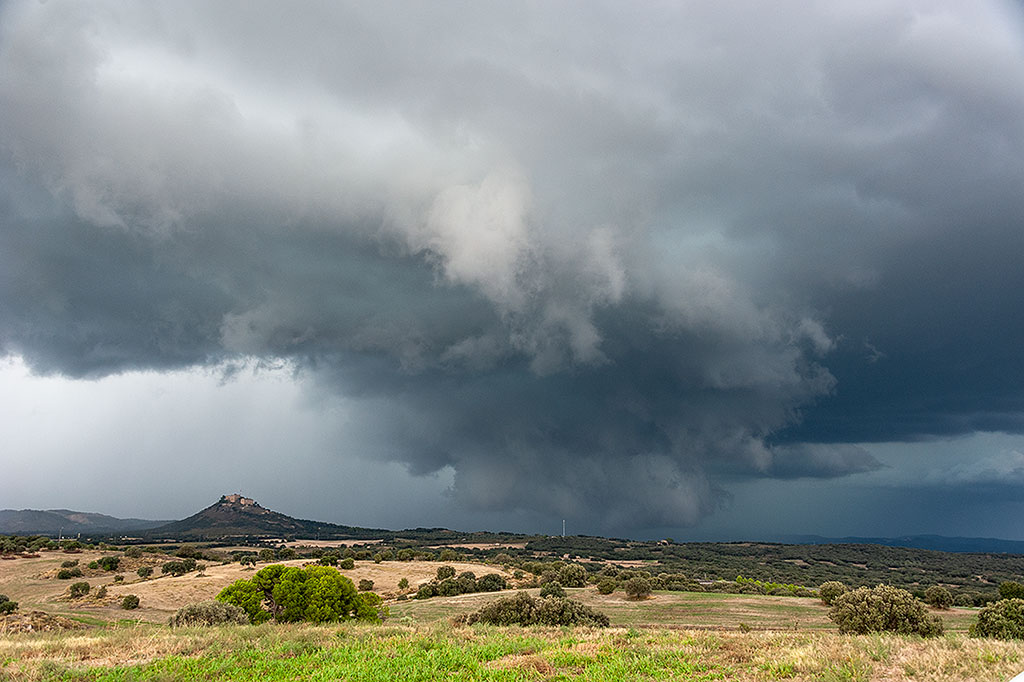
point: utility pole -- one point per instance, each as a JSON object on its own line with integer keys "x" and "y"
{"x": 563, "y": 528}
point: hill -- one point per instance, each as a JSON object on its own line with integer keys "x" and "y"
{"x": 68, "y": 522}
{"x": 235, "y": 516}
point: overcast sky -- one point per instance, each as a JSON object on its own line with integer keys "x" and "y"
{"x": 699, "y": 269}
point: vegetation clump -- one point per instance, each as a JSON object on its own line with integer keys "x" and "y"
{"x": 130, "y": 602}
{"x": 109, "y": 563}
{"x": 6, "y": 605}
{"x": 209, "y": 613}
{"x": 69, "y": 573}
{"x": 288, "y": 594}
{"x": 78, "y": 590}
{"x": 938, "y": 596}
{"x": 552, "y": 589}
{"x": 1001, "y": 620}
{"x": 830, "y": 590}
{"x": 883, "y": 609}
{"x": 637, "y": 588}
{"x": 606, "y": 586}
{"x": 522, "y": 609}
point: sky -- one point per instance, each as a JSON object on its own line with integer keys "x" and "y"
{"x": 693, "y": 269}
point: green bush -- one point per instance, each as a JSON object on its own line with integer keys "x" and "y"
{"x": 830, "y": 590}
{"x": 637, "y": 588}
{"x": 444, "y": 572}
{"x": 522, "y": 609}
{"x": 145, "y": 571}
{"x": 1002, "y": 620}
{"x": 552, "y": 589}
{"x": 102, "y": 592}
{"x": 403, "y": 584}
{"x": 69, "y": 564}
{"x": 492, "y": 582}
{"x": 347, "y": 563}
{"x": 209, "y": 613}
{"x": 288, "y": 594}
{"x": 6, "y": 605}
{"x": 573, "y": 575}
{"x": 1011, "y": 590}
{"x": 94, "y": 565}
{"x": 606, "y": 586}
{"x": 69, "y": 573}
{"x": 133, "y": 552}
{"x": 365, "y": 585}
{"x": 109, "y": 563}
{"x": 118, "y": 578}
{"x": 938, "y": 596}
{"x": 883, "y": 609}
{"x": 963, "y": 600}
{"x": 78, "y": 590}
{"x": 330, "y": 559}
{"x": 130, "y": 602}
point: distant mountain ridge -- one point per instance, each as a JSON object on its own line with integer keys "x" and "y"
{"x": 68, "y": 522}
{"x": 938, "y": 543}
{"x": 238, "y": 516}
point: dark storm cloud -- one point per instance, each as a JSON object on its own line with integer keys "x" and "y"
{"x": 594, "y": 259}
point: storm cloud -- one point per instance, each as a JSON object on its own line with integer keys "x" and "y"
{"x": 590, "y": 258}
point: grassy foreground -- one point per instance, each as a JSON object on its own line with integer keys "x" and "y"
{"x": 439, "y": 651}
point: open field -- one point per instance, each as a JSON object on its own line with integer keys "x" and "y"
{"x": 392, "y": 652}
{"x": 697, "y": 610}
{"x": 33, "y": 583}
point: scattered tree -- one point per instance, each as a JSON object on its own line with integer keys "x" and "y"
{"x": 130, "y": 602}
{"x": 573, "y": 575}
{"x": 347, "y": 563}
{"x": 144, "y": 571}
{"x": 365, "y": 585}
{"x": 883, "y": 609}
{"x": 209, "y": 613}
{"x": 6, "y": 605}
{"x": 1002, "y": 620}
{"x": 938, "y": 596}
{"x": 606, "y": 586}
{"x": 637, "y": 588}
{"x": 522, "y": 609}
{"x": 830, "y": 590}
{"x": 445, "y": 572}
{"x": 552, "y": 589}
{"x": 78, "y": 590}
{"x": 403, "y": 584}
{"x": 1011, "y": 590}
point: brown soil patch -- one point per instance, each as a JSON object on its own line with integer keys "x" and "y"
{"x": 521, "y": 662}
{"x": 36, "y": 621}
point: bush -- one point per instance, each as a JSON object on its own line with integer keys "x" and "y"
{"x": 6, "y": 605}
{"x": 69, "y": 564}
{"x": 445, "y": 572}
{"x": 118, "y": 578}
{"x": 963, "y": 600}
{"x": 94, "y": 565}
{"x": 130, "y": 602}
{"x": 330, "y": 559}
{"x": 133, "y": 552}
{"x": 365, "y": 585}
{"x": 145, "y": 571}
{"x": 830, "y": 590}
{"x": 552, "y": 589}
{"x": 606, "y": 586}
{"x": 69, "y": 573}
{"x": 938, "y": 596}
{"x": 573, "y": 575}
{"x": 209, "y": 613}
{"x": 883, "y": 609}
{"x": 347, "y": 563}
{"x": 637, "y": 588}
{"x": 403, "y": 584}
{"x": 102, "y": 592}
{"x": 1002, "y": 620}
{"x": 492, "y": 582}
{"x": 78, "y": 590}
{"x": 1011, "y": 590}
{"x": 109, "y": 563}
{"x": 466, "y": 582}
{"x": 522, "y": 609}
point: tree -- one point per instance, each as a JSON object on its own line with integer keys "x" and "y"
{"x": 830, "y": 590}
{"x": 522, "y": 609}
{"x": 209, "y": 613}
{"x": 365, "y": 585}
{"x": 109, "y": 563}
{"x": 78, "y": 590}
{"x": 6, "y": 605}
{"x": 130, "y": 602}
{"x": 573, "y": 575}
{"x": 606, "y": 586}
{"x": 883, "y": 609}
{"x": 287, "y": 594}
{"x": 267, "y": 555}
{"x": 552, "y": 589}
{"x": 347, "y": 563}
{"x": 492, "y": 582}
{"x": 637, "y": 588}
{"x": 938, "y": 596}
{"x": 403, "y": 584}
{"x": 1011, "y": 590}
{"x": 145, "y": 571}
{"x": 445, "y": 572}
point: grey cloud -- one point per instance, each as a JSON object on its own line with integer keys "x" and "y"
{"x": 589, "y": 258}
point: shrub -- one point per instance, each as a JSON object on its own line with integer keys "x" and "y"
{"x": 94, "y": 565}
{"x": 1002, "y": 620}
{"x": 118, "y": 578}
{"x": 637, "y": 588}
{"x": 6, "y": 605}
{"x": 606, "y": 586}
{"x": 78, "y": 589}
{"x": 445, "y": 572}
{"x": 330, "y": 559}
{"x": 573, "y": 575}
{"x": 102, "y": 592}
{"x": 449, "y": 555}
{"x": 130, "y": 602}
{"x": 69, "y": 573}
{"x": 938, "y": 596}
{"x": 133, "y": 552}
{"x": 522, "y": 609}
{"x": 378, "y": 557}
{"x": 145, "y": 571}
{"x": 552, "y": 589}
{"x": 267, "y": 555}
{"x": 365, "y": 585}
{"x": 830, "y": 590}
{"x": 883, "y": 609}
{"x": 209, "y": 613}
{"x": 426, "y": 591}
{"x": 1011, "y": 590}
{"x": 69, "y": 564}
{"x": 492, "y": 582}
{"x": 347, "y": 563}
{"x": 403, "y": 584}
{"x": 177, "y": 568}
{"x": 109, "y": 563}
{"x": 963, "y": 600}
{"x": 466, "y": 582}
